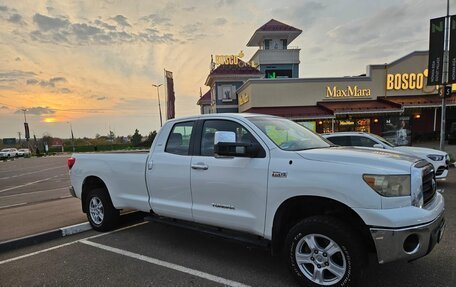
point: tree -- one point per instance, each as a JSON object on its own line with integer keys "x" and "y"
{"x": 136, "y": 138}
{"x": 150, "y": 139}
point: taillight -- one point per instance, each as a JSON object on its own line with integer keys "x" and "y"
{"x": 71, "y": 162}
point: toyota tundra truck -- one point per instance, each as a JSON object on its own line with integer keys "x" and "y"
{"x": 325, "y": 207}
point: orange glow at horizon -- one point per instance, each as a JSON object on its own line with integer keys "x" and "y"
{"x": 49, "y": 120}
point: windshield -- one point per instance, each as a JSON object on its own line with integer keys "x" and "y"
{"x": 288, "y": 135}
{"x": 384, "y": 141}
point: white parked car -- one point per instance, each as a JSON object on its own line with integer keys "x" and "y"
{"x": 23, "y": 152}
{"x": 437, "y": 158}
{"x": 8, "y": 153}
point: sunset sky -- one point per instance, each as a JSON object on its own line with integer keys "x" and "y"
{"x": 93, "y": 63}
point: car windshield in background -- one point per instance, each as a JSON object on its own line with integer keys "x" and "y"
{"x": 288, "y": 135}
{"x": 384, "y": 141}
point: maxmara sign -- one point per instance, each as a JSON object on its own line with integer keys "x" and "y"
{"x": 347, "y": 92}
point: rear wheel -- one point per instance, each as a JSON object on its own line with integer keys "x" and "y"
{"x": 323, "y": 251}
{"x": 100, "y": 212}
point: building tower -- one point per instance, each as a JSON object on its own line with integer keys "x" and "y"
{"x": 275, "y": 58}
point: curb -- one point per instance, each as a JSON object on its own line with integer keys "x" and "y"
{"x": 42, "y": 237}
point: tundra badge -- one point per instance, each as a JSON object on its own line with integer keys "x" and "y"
{"x": 279, "y": 174}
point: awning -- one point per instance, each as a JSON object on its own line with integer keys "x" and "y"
{"x": 300, "y": 112}
{"x": 421, "y": 101}
{"x": 361, "y": 107}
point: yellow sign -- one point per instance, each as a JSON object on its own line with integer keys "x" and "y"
{"x": 406, "y": 81}
{"x": 243, "y": 99}
{"x": 228, "y": 59}
{"x": 349, "y": 91}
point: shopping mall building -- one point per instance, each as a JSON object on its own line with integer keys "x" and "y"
{"x": 387, "y": 98}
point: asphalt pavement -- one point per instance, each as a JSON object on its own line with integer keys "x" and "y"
{"x": 153, "y": 254}
{"x": 34, "y": 196}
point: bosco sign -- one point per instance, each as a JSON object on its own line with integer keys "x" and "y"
{"x": 406, "y": 81}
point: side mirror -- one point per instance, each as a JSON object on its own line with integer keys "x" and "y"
{"x": 378, "y": 146}
{"x": 225, "y": 145}
{"x": 225, "y": 137}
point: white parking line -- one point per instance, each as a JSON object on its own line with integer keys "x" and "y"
{"x": 29, "y": 183}
{"x": 32, "y": 172}
{"x": 169, "y": 265}
{"x": 13, "y": 205}
{"x": 33, "y": 192}
{"x": 66, "y": 244}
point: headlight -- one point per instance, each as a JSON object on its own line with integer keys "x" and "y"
{"x": 435, "y": 157}
{"x": 389, "y": 185}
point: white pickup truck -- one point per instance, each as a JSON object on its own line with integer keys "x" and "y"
{"x": 327, "y": 207}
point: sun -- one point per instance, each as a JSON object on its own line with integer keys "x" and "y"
{"x": 49, "y": 120}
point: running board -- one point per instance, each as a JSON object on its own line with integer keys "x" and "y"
{"x": 211, "y": 230}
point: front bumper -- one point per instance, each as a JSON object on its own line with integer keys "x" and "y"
{"x": 442, "y": 172}
{"x": 408, "y": 243}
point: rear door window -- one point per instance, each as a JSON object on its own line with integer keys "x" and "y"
{"x": 340, "y": 140}
{"x": 362, "y": 141}
{"x": 180, "y": 138}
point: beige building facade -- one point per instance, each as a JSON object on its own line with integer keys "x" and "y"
{"x": 388, "y": 98}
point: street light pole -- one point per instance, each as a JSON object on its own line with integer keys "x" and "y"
{"x": 159, "y": 106}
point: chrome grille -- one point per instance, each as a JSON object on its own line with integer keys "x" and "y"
{"x": 429, "y": 184}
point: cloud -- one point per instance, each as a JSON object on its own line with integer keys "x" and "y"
{"x": 18, "y": 59}
{"x": 121, "y": 20}
{"x": 61, "y": 30}
{"x": 189, "y": 9}
{"x": 98, "y": 98}
{"x": 4, "y": 108}
{"x": 193, "y": 31}
{"x": 221, "y": 3}
{"x": 104, "y": 25}
{"x": 14, "y": 75}
{"x": 156, "y": 19}
{"x": 46, "y": 23}
{"x": 392, "y": 33}
{"x": 220, "y": 21}
{"x": 15, "y": 18}
{"x": 303, "y": 14}
{"x": 32, "y": 82}
{"x": 64, "y": 91}
{"x": 50, "y": 83}
{"x": 37, "y": 111}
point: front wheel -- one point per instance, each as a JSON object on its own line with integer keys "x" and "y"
{"x": 100, "y": 212}
{"x": 323, "y": 251}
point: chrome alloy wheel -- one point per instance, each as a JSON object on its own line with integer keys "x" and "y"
{"x": 96, "y": 210}
{"x": 320, "y": 259}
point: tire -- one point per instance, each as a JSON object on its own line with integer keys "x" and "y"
{"x": 324, "y": 251}
{"x": 100, "y": 212}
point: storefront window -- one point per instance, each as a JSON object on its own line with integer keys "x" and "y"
{"x": 397, "y": 130}
{"x": 353, "y": 125}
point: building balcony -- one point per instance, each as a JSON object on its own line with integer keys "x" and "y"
{"x": 276, "y": 56}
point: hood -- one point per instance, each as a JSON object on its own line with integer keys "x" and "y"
{"x": 419, "y": 151}
{"x": 377, "y": 160}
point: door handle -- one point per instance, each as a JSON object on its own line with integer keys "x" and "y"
{"x": 200, "y": 166}
{"x": 150, "y": 164}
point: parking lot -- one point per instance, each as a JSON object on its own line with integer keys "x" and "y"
{"x": 34, "y": 196}
{"x": 153, "y": 254}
